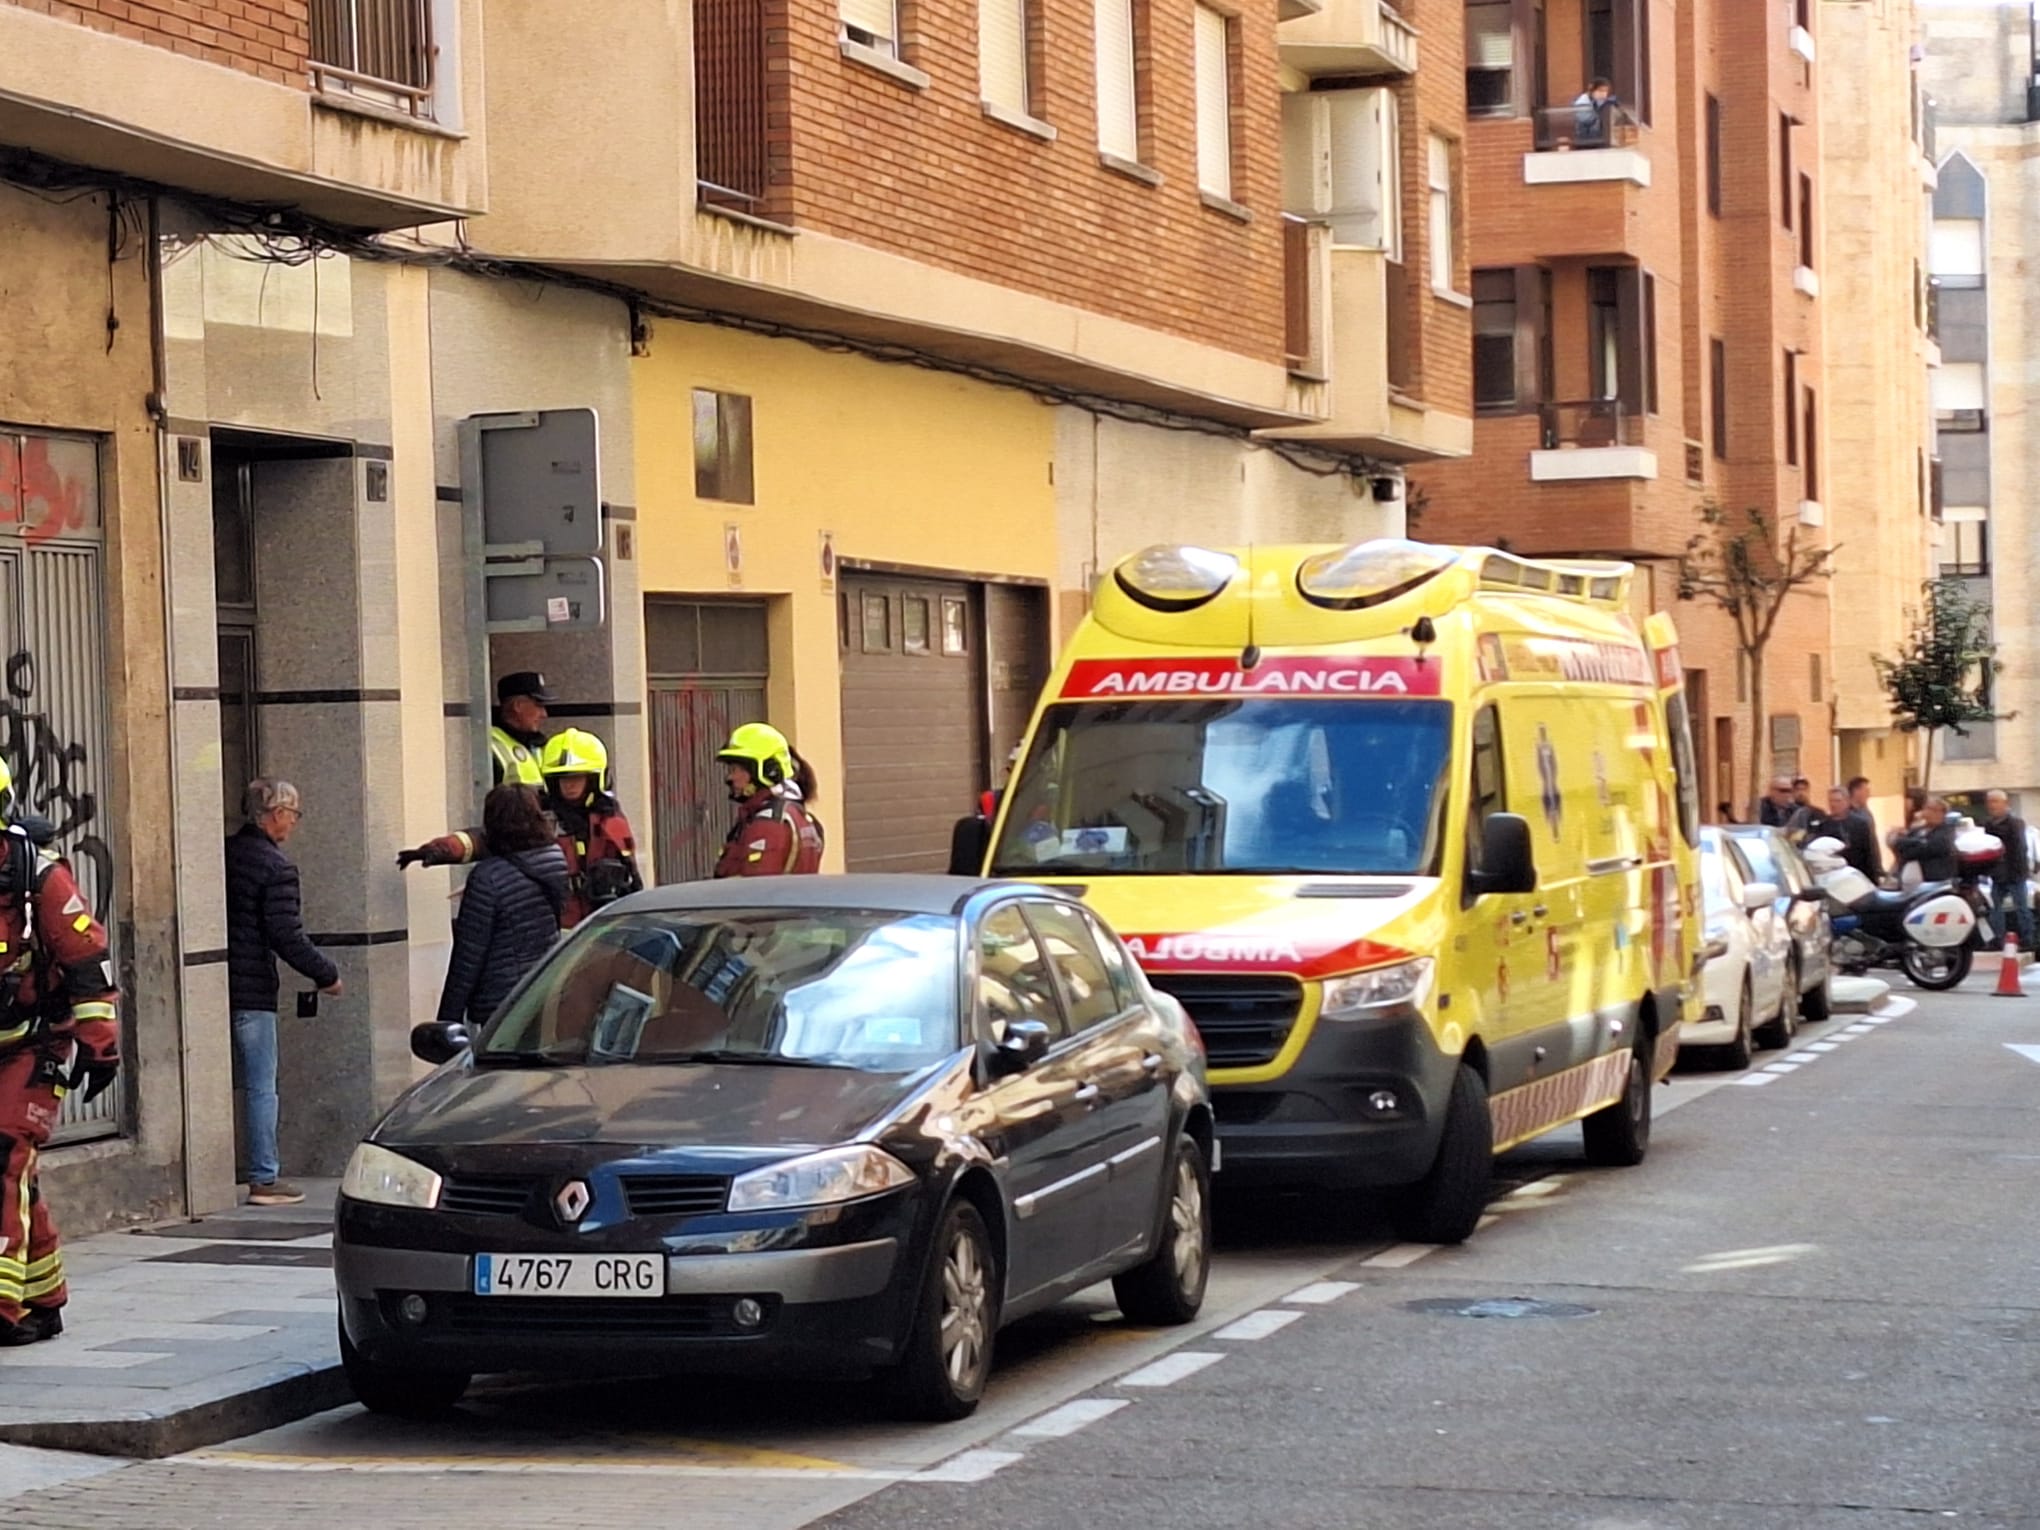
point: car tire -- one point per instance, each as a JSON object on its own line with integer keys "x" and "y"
{"x": 1167, "y": 1289}
{"x": 1618, "y": 1135}
{"x": 1818, "y": 1004}
{"x": 1735, "y": 1056}
{"x": 1779, "y": 1032}
{"x": 947, "y": 1358}
{"x": 400, "y": 1391}
{"x": 1447, "y": 1203}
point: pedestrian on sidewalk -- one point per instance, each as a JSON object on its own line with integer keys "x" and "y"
{"x": 265, "y": 920}
{"x": 510, "y": 909}
{"x": 1864, "y": 853}
{"x": 59, "y": 1031}
{"x": 2009, "y": 887}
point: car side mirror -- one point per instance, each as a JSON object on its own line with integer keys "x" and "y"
{"x": 1758, "y": 896}
{"x": 1506, "y": 865}
{"x": 969, "y": 842}
{"x": 1024, "y": 1044}
{"x": 436, "y": 1042}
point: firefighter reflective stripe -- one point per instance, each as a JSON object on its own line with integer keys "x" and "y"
{"x": 92, "y": 1009}
{"x": 514, "y": 762}
{"x": 14, "y": 1033}
{"x": 467, "y": 844}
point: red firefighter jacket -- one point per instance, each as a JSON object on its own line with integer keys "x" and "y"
{"x": 774, "y": 835}
{"x": 56, "y": 980}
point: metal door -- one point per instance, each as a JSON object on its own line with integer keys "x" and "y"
{"x": 708, "y": 663}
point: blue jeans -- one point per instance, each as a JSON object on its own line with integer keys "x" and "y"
{"x": 255, "y": 1061}
{"x": 2018, "y": 896}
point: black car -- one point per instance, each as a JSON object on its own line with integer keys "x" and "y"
{"x": 806, "y": 1124}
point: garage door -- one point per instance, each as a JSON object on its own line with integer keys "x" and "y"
{"x": 913, "y": 719}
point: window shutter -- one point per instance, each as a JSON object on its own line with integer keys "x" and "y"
{"x": 1118, "y": 125}
{"x": 1957, "y": 247}
{"x": 1490, "y": 36}
{"x": 1214, "y": 105}
{"x": 1306, "y": 153}
{"x": 1002, "y": 53}
{"x": 873, "y": 18}
{"x": 1359, "y": 134}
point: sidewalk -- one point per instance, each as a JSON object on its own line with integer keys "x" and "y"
{"x": 185, "y": 1335}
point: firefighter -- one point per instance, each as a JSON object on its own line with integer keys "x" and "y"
{"x": 517, "y": 736}
{"x": 775, "y": 832}
{"x": 59, "y": 1031}
{"x": 594, "y": 834}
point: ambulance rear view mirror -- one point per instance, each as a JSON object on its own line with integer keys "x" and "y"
{"x": 968, "y": 842}
{"x": 1506, "y": 865}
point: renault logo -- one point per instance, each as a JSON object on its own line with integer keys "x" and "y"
{"x": 572, "y": 1201}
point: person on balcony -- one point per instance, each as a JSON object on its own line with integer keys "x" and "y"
{"x": 1593, "y": 112}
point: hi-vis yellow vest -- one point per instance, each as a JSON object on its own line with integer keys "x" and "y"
{"x": 514, "y": 762}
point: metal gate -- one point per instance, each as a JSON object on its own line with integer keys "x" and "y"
{"x": 53, "y": 723}
{"x": 707, "y": 663}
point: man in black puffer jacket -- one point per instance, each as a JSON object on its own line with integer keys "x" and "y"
{"x": 510, "y": 908}
{"x": 264, "y": 921}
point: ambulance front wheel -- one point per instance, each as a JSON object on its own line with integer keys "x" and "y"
{"x": 1447, "y": 1203}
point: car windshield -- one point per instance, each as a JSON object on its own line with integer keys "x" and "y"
{"x": 1265, "y": 785}
{"x": 1713, "y": 879}
{"x": 843, "y": 988}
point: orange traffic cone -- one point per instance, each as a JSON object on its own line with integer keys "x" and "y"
{"x": 2008, "y": 986}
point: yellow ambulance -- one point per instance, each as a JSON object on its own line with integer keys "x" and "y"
{"x": 1408, "y": 830}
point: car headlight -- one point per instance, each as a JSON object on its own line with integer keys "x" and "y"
{"x": 377, "y": 1175}
{"x": 1401, "y": 986}
{"x": 820, "y": 1179}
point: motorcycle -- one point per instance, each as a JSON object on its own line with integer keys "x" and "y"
{"x": 1930, "y": 932}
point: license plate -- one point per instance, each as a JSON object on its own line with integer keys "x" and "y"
{"x": 570, "y": 1275}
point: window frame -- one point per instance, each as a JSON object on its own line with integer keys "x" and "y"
{"x": 1713, "y": 151}
{"x": 1791, "y": 407}
{"x": 1437, "y": 192}
{"x": 712, "y": 479}
{"x": 1717, "y": 401}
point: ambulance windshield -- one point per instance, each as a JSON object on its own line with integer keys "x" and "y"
{"x": 1261, "y": 785}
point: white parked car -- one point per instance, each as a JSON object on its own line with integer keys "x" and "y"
{"x": 1749, "y": 953}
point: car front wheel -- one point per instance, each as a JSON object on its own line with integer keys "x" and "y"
{"x": 399, "y": 1390}
{"x": 942, "y": 1371}
{"x": 1168, "y": 1288}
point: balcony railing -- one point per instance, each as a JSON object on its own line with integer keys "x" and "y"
{"x": 381, "y": 49}
{"x": 1584, "y": 126}
{"x": 732, "y": 165}
{"x": 1583, "y": 423}
{"x": 1402, "y": 356}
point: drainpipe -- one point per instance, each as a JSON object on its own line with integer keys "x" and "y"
{"x": 166, "y": 451}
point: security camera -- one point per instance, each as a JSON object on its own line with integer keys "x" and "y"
{"x": 1386, "y": 490}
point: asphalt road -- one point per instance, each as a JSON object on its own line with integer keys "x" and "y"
{"x": 1814, "y": 1307}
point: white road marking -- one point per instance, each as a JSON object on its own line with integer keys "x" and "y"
{"x": 1538, "y": 1187}
{"x": 1058, "y": 1423}
{"x": 1322, "y": 1292}
{"x": 2025, "y": 1049}
{"x": 1782, "y": 1067}
{"x": 1170, "y": 1369}
{"x": 1396, "y": 1257}
{"x": 1758, "y": 1078}
{"x": 1894, "y": 1007}
{"x": 1802, "y": 1057}
{"x": 1747, "y": 1258}
{"x": 1859, "y": 1029}
{"x": 971, "y": 1466}
{"x": 1258, "y": 1325}
{"x": 1821, "y": 1046}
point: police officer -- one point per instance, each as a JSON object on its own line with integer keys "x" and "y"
{"x": 594, "y": 835}
{"x": 59, "y": 1031}
{"x": 775, "y": 833}
{"x": 517, "y": 736}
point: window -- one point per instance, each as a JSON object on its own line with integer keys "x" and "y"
{"x": 913, "y": 624}
{"x": 1785, "y": 168}
{"x": 1813, "y": 676}
{"x": 380, "y": 50}
{"x": 722, "y": 447}
{"x": 1957, "y": 388}
{"x": 1002, "y": 55}
{"x": 1494, "y": 339}
{"x": 1717, "y": 356}
{"x": 1957, "y": 252}
{"x": 1489, "y": 793}
{"x": 1965, "y": 548}
{"x": 1806, "y": 221}
{"x": 1714, "y": 154}
{"x": 1604, "y": 333}
{"x": 1792, "y": 408}
{"x": 1214, "y": 102}
{"x": 955, "y": 626}
{"x": 872, "y": 24}
{"x": 1118, "y": 965}
{"x": 877, "y": 624}
{"x": 1650, "y": 393}
{"x": 1490, "y": 57}
{"x": 1089, "y": 992}
{"x": 1812, "y": 445}
{"x": 1013, "y": 979}
{"x": 1442, "y": 232}
{"x": 1118, "y": 107}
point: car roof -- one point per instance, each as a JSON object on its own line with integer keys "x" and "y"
{"x": 894, "y": 892}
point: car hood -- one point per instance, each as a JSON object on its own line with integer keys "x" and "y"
{"x": 650, "y": 1106}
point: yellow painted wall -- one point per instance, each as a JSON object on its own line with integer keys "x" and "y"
{"x": 902, "y": 465}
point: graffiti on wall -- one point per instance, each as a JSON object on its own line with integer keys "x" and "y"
{"x": 49, "y": 486}
{"x": 53, "y": 780}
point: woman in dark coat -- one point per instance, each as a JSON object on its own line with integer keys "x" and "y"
{"x": 510, "y": 908}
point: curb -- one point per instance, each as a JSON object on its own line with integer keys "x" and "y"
{"x": 210, "y": 1421}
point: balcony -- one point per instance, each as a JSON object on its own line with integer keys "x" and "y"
{"x": 1584, "y": 143}
{"x": 1359, "y": 38}
{"x": 362, "y": 124}
{"x": 1587, "y": 439}
{"x": 1366, "y": 359}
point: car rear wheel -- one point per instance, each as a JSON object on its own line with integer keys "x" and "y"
{"x": 1168, "y": 1288}
{"x": 1779, "y": 1032}
{"x": 948, "y": 1356}
{"x": 1446, "y": 1204}
{"x": 1618, "y": 1135}
{"x": 400, "y": 1390}
{"x": 1736, "y": 1055}
{"x": 1818, "y": 1003}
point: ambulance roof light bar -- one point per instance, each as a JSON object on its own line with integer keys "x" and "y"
{"x": 1604, "y": 583}
{"x": 1370, "y": 573}
{"x": 1172, "y": 577}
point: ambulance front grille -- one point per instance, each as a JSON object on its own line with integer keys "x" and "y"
{"x": 1243, "y": 1019}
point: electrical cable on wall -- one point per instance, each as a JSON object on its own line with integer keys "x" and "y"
{"x": 288, "y": 237}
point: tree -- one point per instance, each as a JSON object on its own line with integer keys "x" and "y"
{"x": 1739, "y": 565}
{"x": 1941, "y": 679}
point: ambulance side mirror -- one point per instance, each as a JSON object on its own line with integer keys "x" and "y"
{"x": 1506, "y": 865}
{"x": 968, "y": 843}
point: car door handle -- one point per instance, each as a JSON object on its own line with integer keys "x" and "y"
{"x": 1519, "y": 917}
{"x": 1087, "y": 1095}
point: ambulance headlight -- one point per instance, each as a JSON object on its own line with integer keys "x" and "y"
{"x": 1173, "y": 578}
{"x": 1404, "y": 985}
{"x": 1368, "y": 573}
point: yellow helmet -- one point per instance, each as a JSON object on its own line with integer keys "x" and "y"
{"x": 6, "y": 788}
{"x": 574, "y": 752}
{"x": 761, "y": 749}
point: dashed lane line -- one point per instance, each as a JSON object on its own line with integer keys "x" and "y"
{"x": 1398, "y": 1255}
{"x": 1321, "y": 1293}
{"x": 1058, "y": 1423}
{"x": 1258, "y": 1325}
{"x": 1170, "y": 1369}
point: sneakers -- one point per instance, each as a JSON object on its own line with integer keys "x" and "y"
{"x": 275, "y": 1193}
{"x": 37, "y": 1324}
